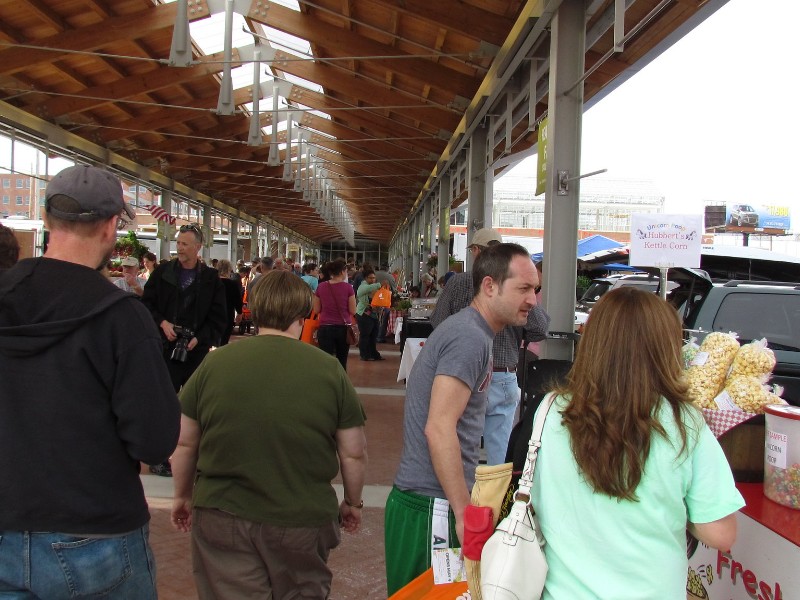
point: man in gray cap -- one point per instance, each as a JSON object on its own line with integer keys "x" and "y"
{"x": 130, "y": 280}
{"x": 504, "y": 392}
{"x": 76, "y": 413}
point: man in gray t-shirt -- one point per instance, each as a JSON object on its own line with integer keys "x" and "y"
{"x": 444, "y": 415}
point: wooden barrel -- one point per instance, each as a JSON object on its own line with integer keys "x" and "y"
{"x": 744, "y": 448}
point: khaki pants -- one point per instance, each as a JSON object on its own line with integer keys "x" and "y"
{"x": 236, "y": 558}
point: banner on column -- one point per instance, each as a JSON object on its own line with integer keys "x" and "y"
{"x": 541, "y": 158}
{"x": 208, "y": 237}
{"x": 665, "y": 240}
{"x": 166, "y": 231}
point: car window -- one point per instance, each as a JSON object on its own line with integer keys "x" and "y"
{"x": 755, "y": 316}
{"x": 595, "y": 290}
{"x": 650, "y": 286}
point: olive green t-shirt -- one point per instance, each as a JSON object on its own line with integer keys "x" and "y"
{"x": 268, "y": 409}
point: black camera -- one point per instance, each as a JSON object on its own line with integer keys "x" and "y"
{"x": 181, "y": 349}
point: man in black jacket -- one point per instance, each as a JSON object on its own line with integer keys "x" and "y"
{"x": 84, "y": 397}
{"x": 187, "y": 301}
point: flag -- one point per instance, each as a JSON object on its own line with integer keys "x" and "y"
{"x": 159, "y": 213}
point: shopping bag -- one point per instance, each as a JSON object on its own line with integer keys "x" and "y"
{"x": 382, "y": 298}
{"x": 310, "y": 327}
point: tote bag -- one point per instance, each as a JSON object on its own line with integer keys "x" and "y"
{"x": 382, "y": 298}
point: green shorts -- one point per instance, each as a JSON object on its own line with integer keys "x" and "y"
{"x": 414, "y": 526}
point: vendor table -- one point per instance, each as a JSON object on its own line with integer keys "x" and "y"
{"x": 411, "y": 350}
{"x": 414, "y": 328}
{"x": 763, "y": 563}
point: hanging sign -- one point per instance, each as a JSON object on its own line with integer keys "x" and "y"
{"x": 166, "y": 231}
{"x": 665, "y": 240}
{"x": 541, "y": 158}
{"x": 208, "y": 236}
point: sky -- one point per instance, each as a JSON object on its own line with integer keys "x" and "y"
{"x": 713, "y": 118}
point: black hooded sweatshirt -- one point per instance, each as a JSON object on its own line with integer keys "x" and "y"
{"x": 84, "y": 396}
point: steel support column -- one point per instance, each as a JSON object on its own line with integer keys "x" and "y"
{"x": 233, "y": 241}
{"x": 444, "y": 223}
{"x": 415, "y": 259}
{"x": 254, "y": 242}
{"x": 208, "y": 242}
{"x": 164, "y": 244}
{"x": 480, "y": 206}
{"x": 427, "y": 243}
{"x": 567, "y": 49}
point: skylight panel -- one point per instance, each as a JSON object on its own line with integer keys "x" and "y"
{"x": 288, "y": 41}
{"x": 209, "y": 34}
{"x": 292, "y": 4}
{"x": 303, "y": 82}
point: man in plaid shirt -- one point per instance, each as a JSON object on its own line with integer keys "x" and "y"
{"x": 504, "y": 392}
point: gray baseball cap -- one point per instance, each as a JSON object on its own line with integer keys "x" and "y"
{"x": 97, "y": 191}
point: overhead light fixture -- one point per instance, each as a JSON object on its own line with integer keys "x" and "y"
{"x": 254, "y": 137}
{"x": 225, "y": 105}
{"x": 274, "y": 155}
{"x": 180, "y": 54}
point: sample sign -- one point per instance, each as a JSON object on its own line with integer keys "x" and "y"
{"x": 757, "y": 216}
{"x": 665, "y": 240}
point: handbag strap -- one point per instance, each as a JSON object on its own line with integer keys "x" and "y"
{"x": 526, "y": 479}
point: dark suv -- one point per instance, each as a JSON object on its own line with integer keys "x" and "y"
{"x": 753, "y": 310}
{"x": 743, "y": 215}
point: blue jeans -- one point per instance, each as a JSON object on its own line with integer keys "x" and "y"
{"x": 503, "y": 398}
{"x": 52, "y": 566}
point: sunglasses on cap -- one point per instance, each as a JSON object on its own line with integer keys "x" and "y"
{"x": 192, "y": 227}
{"x": 123, "y": 222}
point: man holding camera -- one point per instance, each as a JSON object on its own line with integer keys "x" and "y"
{"x": 187, "y": 301}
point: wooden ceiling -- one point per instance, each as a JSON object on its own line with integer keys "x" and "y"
{"x": 397, "y": 77}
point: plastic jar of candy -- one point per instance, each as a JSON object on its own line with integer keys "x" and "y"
{"x": 782, "y": 455}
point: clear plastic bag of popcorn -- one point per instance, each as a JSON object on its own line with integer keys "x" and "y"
{"x": 752, "y": 394}
{"x": 708, "y": 369}
{"x": 753, "y": 360}
{"x": 689, "y": 351}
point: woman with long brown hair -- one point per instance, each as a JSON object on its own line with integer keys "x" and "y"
{"x": 627, "y": 463}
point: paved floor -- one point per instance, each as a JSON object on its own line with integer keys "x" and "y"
{"x": 357, "y": 564}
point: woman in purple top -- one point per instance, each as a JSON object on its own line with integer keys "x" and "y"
{"x": 335, "y": 301}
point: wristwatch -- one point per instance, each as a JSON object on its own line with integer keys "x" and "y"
{"x": 352, "y": 505}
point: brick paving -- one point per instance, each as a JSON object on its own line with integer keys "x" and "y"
{"x": 358, "y": 563}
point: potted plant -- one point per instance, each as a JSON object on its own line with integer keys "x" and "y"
{"x": 403, "y": 305}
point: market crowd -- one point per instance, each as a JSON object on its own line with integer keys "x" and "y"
{"x": 626, "y": 463}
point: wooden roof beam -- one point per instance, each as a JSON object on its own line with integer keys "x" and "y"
{"x": 87, "y": 39}
{"x": 348, "y": 43}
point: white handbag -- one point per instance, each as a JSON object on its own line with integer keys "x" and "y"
{"x": 513, "y": 566}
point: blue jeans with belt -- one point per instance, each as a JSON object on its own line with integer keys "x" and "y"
{"x": 502, "y": 401}
{"x": 56, "y": 566}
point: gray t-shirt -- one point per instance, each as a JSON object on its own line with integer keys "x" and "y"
{"x": 460, "y": 347}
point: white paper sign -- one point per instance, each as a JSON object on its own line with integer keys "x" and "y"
{"x": 448, "y": 566}
{"x": 777, "y": 447}
{"x": 665, "y": 240}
